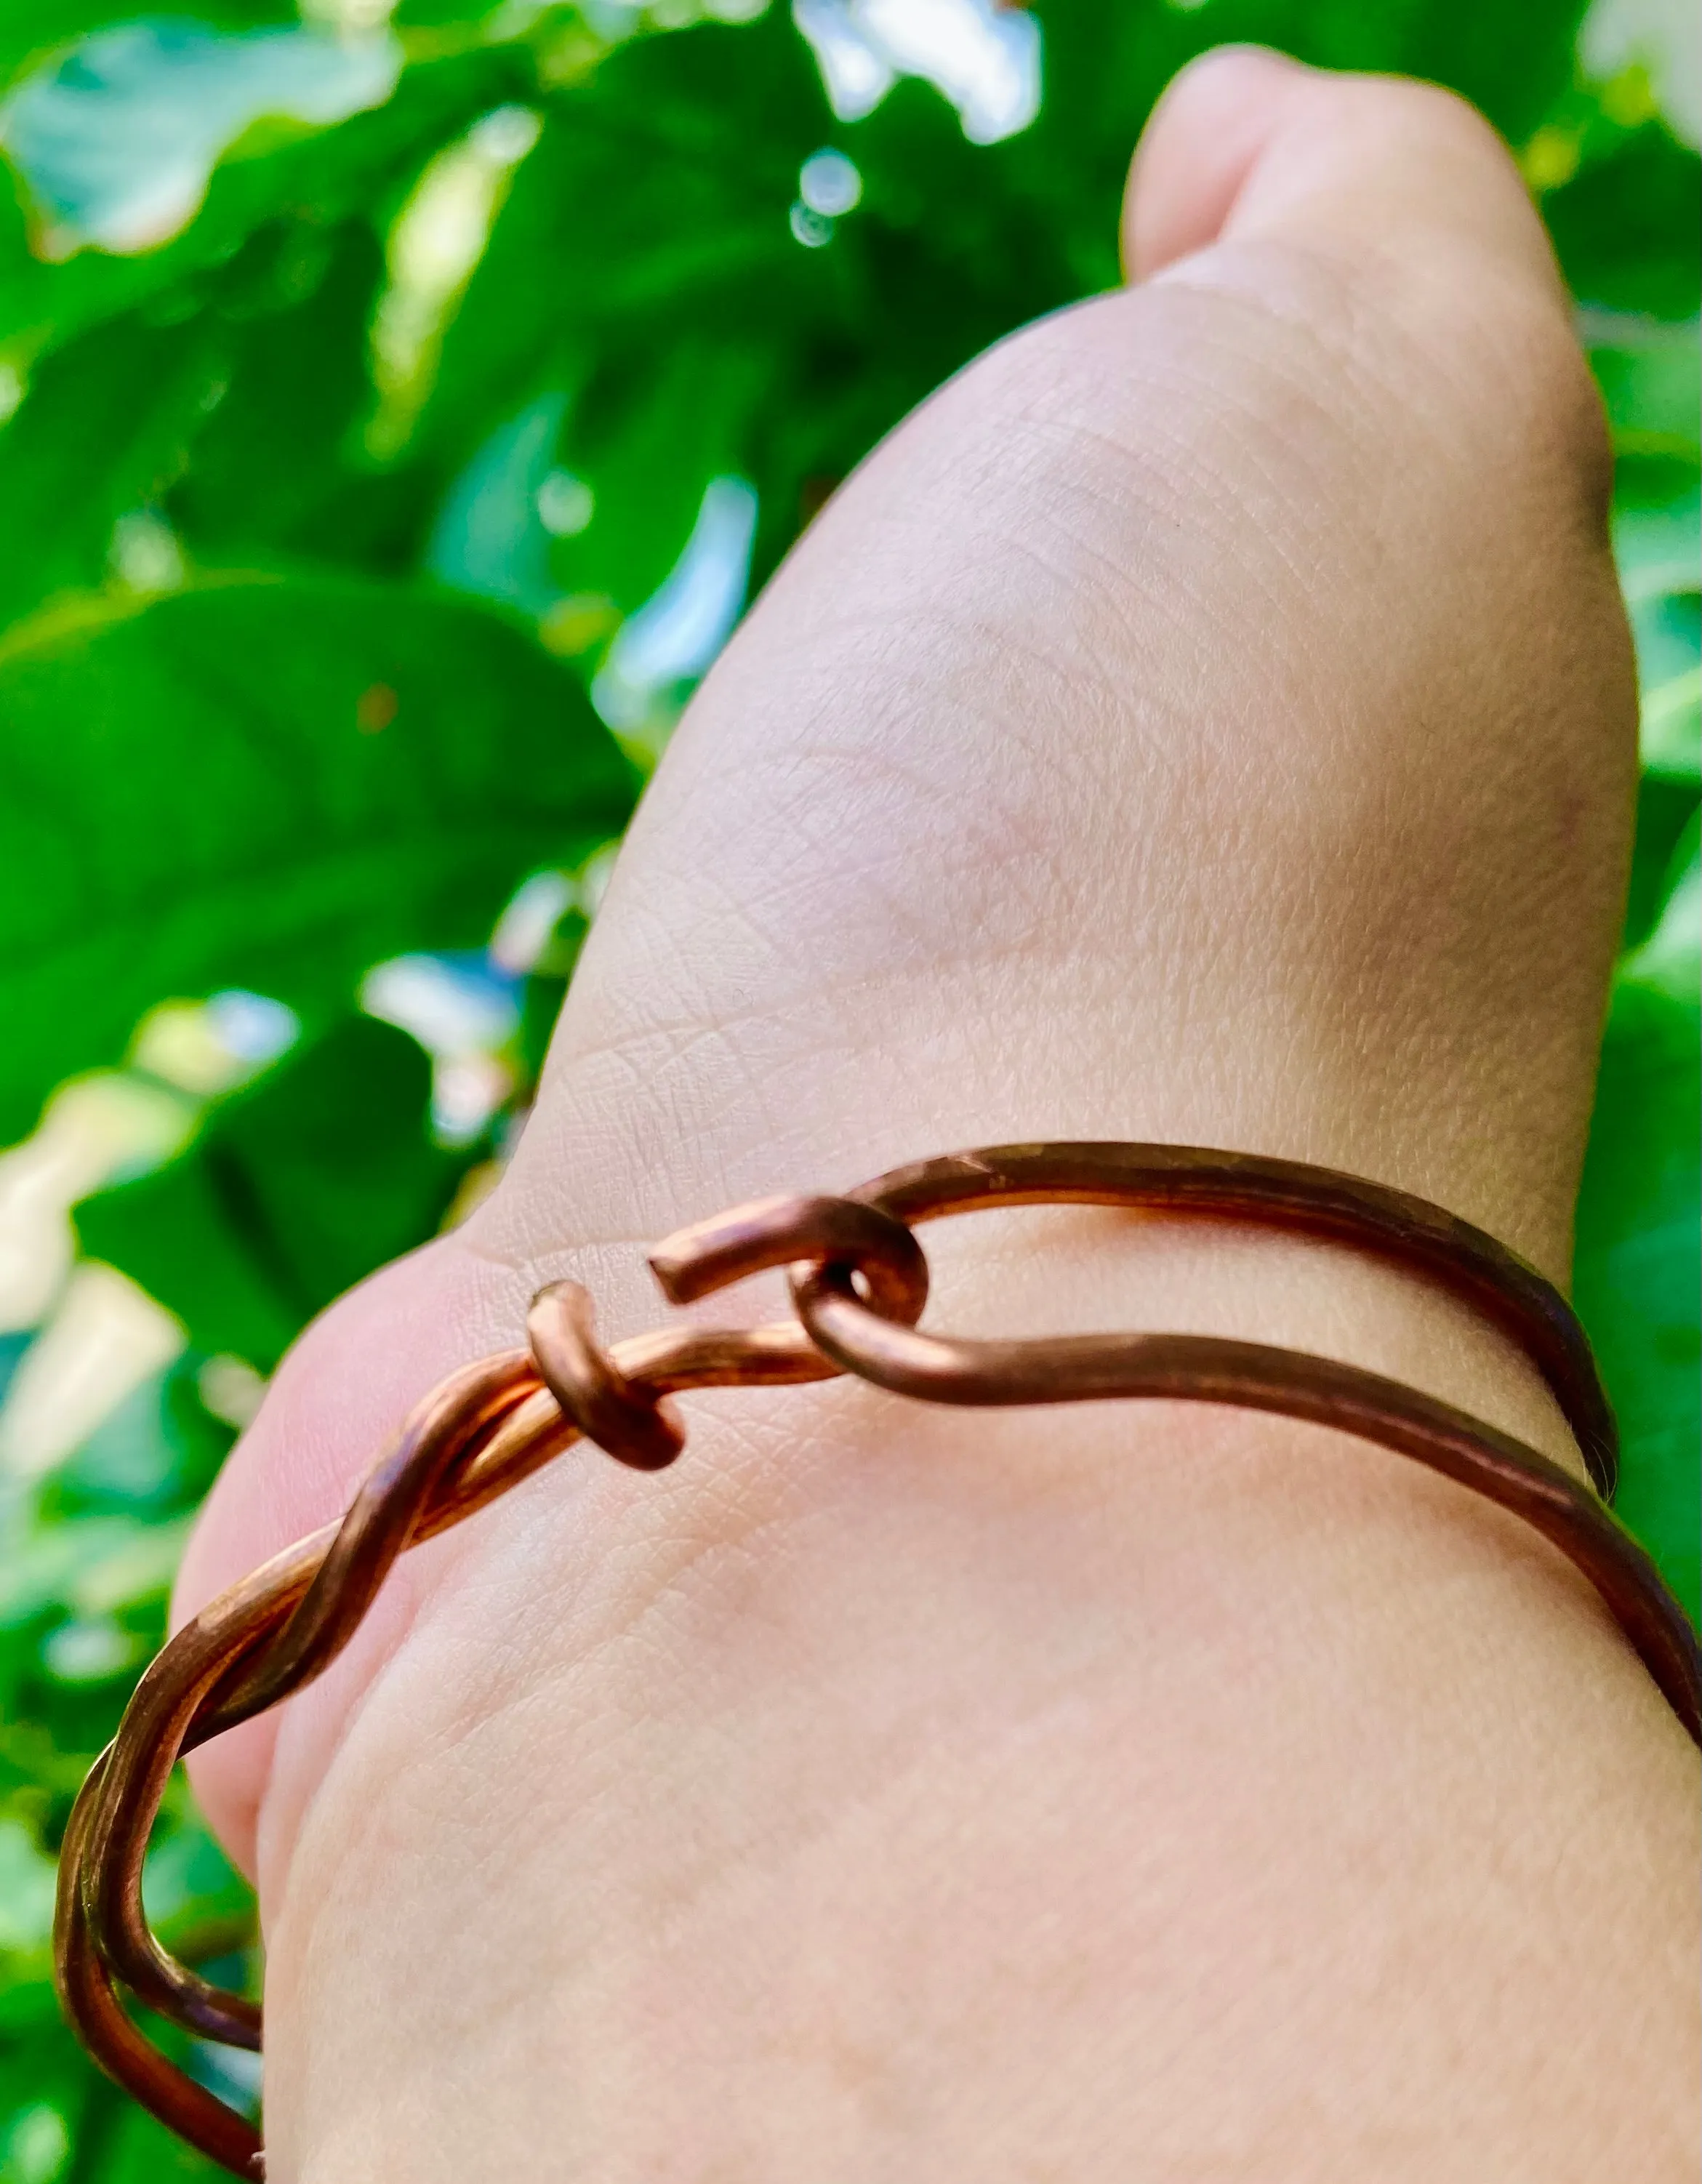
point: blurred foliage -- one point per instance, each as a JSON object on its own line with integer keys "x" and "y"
{"x": 397, "y": 409}
{"x": 292, "y": 1192}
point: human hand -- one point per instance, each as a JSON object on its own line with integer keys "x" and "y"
{"x": 1210, "y": 719}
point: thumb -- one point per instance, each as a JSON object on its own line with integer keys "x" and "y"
{"x": 1247, "y": 145}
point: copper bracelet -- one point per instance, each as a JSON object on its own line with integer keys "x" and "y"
{"x": 859, "y": 1281}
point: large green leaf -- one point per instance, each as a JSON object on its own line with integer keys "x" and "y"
{"x": 269, "y": 783}
{"x": 293, "y": 1192}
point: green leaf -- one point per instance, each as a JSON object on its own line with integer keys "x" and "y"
{"x": 34, "y": 2141}
{"x": 1672, "y": 734}
{"x": 643, "y": 511}
{"x": 363, "y": 166}
{"x": 690, "y": 331}
{"x": 94, "y": 1564}
{"x": 294, "y": 1192}
{"x": 155, "y": 1456}
{"x": 87, "y": 131}
{"x": 657, "y": 198}
{"x": 106, "y": 426}
{"x": 1639, "y": 1283}
{"x": 271, "y": 473}
{"x": 1666, "y": 811}
{"x": 1626, "y": 228}
{"x": 32, "y": 30}
{"x": 272, "y": 784}
{"x": 26, "y": 1889}
{"x": 1651, "y": 381}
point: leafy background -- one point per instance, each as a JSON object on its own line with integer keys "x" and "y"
{"x": 398, "y": 408}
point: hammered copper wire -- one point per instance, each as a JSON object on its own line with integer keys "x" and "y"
{"x": 859, "y": 1282}
{"x": 640, "y": 1430}
{"x": 1314, "y": 1201}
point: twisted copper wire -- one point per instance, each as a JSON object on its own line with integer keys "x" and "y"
{"x": 859, "y": 1282}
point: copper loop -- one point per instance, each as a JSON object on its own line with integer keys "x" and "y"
{"x": 630, "y": 1424}
{"x": 859, "y": 1281}
{"x": 856, "y": 1239}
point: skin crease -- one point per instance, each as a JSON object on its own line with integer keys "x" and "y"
{"x": 1211, "y": 718}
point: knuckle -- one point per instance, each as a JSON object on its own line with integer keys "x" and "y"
{"x": 1514, "y": 344}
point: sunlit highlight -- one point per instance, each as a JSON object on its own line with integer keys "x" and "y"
{"x": 984, "y": 58}
{"x": 437, "y": 239}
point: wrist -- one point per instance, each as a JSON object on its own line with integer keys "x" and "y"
{"x": 841, "y": 1622}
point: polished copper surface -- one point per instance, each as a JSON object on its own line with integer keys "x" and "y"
{"x": 859, "y": 1282}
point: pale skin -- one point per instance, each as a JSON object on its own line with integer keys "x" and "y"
{"x": 1210, "y": 719}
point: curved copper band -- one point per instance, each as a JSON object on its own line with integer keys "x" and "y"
{"x": 1197, "y": 1368}
{"x": 1312, "y": 1201}
{"x": 589, "y": 1387}
{"x": 860, "y": 1281}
